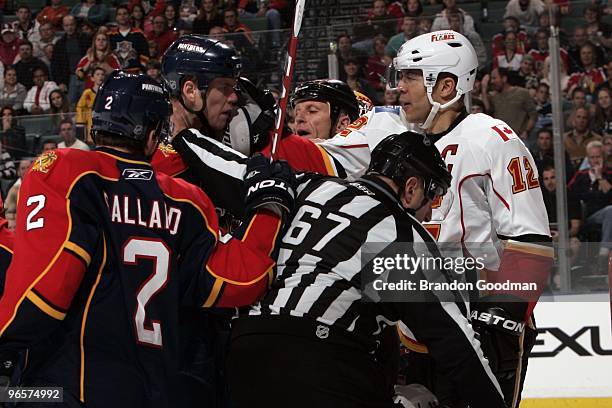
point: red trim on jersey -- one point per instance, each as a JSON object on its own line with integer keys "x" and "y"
{"x": 461, "y": 200}
{"x": 357, "y": 146}
{"x": 301, "y": 153}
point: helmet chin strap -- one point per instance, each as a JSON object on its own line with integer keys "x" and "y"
{"x": 436, "y": 107}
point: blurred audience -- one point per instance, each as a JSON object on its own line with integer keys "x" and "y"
{"x": 12, "y": 137}
{"x": 94, "y": 11}
{"x": 441, "y": 21}
{"x": 53, "y": 14}
{"x": 12, "y": 93}
{"x": 129, "y": 44}
{"x": 9, "y": 46}
{"x": 37, "y": 98}
{"x": 69, "y": 140}
{"x": 27, "y": 64}
{"x": 59, "y": 108}
{"x": 409, "y": 31}
{"x": 10, "y": 204}
{"x": 577, "y": 139}
{"x": 526, "y": 11}
{"x": 100, "y": 55}
{"x": 161, "y": 34}
{"x": 85, "y": 105}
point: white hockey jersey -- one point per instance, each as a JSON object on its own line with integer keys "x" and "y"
{"x": 494, "y": 191}
{"x": 351, "y": 148}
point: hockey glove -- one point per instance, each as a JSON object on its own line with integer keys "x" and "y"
{"x": 500, "y": 326}
{"x": 261, "y": 127}
{"x": 268, "y": 185}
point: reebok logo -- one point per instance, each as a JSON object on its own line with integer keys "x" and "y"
{"x": 252, "y": 174}
{"x": 137, "y": 174}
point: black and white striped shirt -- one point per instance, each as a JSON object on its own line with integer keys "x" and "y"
{"x": 319, "y": 267}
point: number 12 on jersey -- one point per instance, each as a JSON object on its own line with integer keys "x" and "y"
{"x": 521, "y": 181}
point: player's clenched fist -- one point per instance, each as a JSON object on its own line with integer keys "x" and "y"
{"x": 269, "y": 185}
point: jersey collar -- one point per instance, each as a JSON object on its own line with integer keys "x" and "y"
{"x": 123, "y": 156}
{"x": 434, "y": 137}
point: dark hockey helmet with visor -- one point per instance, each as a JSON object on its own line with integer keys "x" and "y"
{"x": 130, "y": 106}
{"x": 198, "y": 57}
{"x": 337, "y": 93}
{"x": 401, "y": 156}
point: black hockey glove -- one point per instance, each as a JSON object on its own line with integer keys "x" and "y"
{"x": 500, "y": 326}
{"x": 261, "y": 127}
{"x": 268, "y": 185}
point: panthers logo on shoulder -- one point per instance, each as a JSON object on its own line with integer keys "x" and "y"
{"x": 44, "y": 161}
{"x": 166, "y": 149}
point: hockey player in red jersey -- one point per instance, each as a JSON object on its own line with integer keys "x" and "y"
{"x": 107, "y": 251}
{"x": 494, "y": 200}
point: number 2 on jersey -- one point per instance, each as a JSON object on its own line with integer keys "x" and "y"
{"x": 159, "y": 253}
{"x": 519, "y": 182}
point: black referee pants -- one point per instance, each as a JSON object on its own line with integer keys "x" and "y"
{"x": 280, "y": 370}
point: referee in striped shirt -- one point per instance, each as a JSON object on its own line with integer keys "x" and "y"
{"x": 313, "y": 341}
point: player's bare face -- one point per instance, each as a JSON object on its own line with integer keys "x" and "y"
{"x": 312, "y": 119}
{"x": 221, "y": 102}
{"x": 413, "y": 96}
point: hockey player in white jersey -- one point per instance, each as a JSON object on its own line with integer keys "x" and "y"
{"x": 494, "y": 200}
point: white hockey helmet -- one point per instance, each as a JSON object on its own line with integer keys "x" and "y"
{"x": 434, "y": 53}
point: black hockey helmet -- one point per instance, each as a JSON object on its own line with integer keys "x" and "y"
{"x": 401, "y": 156}
{"x": 201, "y": 57}
{"x": 130, "y": 105}
{"x": 339, "y": 95}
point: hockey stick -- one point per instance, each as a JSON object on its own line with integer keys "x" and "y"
{"x": 290, "y": 64}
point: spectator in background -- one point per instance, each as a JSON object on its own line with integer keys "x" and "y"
{"x": 129, "y": 44}
{"x": 26, "y": 27}
{"x": 594, "y": 188}
{"x": 93, "y": 11}
{"x": 85, "y": 105}
{"x": 377, "y": 65}
{"x": 154, "y": 50}
{"x": 578, "y": 100}
{"x": 8, "y": 170}
{"x": 37, "y": 98}
{"x": 59, "y": 108}
{"x": 414, "y": 8}
{"x": 53, "y": 14}
{"x": 511, "y": 56}
{"x": 68, "y": 51}
{"x": 345, "y": 51}
{"x": 574, "y": 212}
{"x": 602, "y": 118}
{"x": 12, "y": 93}
{"x": 543, "y": 153}
{"x": 540, "y": 52}
{"x": 187, "y": 13}
{"x": 100, "y": 55}
{"x": 590, "y": 76}
{"x": 49, "y": 145}
{"x": 543, "y": 106}
{"x": 378, "y": 21}
{"x": 409, "y": 31}
{"x": 607, "y": 150}
{"x": 577, "y": 139}
{"x": 441, "y": 21}
{"x": 527, "y": 75}
{"x": 597, "y": 31}
{"x": 355, "y": 80}
{"x": 47, "y": 56}
{"x": 526, "y": 11}
{"x": 425, "y": 24}
{"x": 208, "y": 17}
{"x": 512, "y": 104}
{"x": 161, "y": 34}
{"x": 47, "y": 36}
{"x": 608, "y": 69}
{"x": 154, "y": 70}
{"x": 579, "y": 39}
{"x": 151, "y": 8}
{"x": 244, "y": 38}
{"x": 10, "y": 204}
{"x": 269, "y": 10}
{"x": 68, "y": 136}
{"x": 12, "y": 137}
{"x": 27, "y": 64}
{"x": 137, "y": 18}
{"x": 391, "y": 97}
{"x": 455, "y": 21}
{"x": 510, "y": 24}
{"x": 171, "y": 16}
{"x": 9, "y": 46}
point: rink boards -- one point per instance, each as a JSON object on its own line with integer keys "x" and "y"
{"x": 571, "y": 364}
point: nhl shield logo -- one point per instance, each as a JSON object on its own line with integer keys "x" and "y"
{"x": 322, "y": 332}
{"x": 44, "y": 161}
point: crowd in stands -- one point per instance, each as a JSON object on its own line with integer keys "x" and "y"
{"x": 54, "y": 60}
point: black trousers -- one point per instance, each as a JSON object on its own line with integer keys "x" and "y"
{"x": 280, "y": 370}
